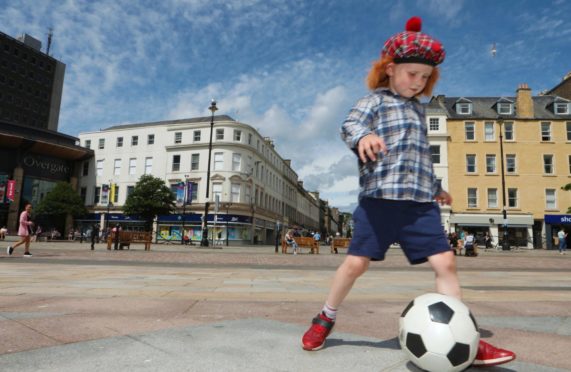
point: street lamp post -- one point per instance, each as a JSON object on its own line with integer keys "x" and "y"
{"x": 227, "y": 206}
{"x": 184, "y": 198}
{"x": 505, "y": 243}
{"x": 204, "y": 241}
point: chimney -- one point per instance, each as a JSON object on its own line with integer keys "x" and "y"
{"x": 524, "y": 102}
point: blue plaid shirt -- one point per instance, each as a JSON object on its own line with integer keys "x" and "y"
{"x": 405, "y": 172}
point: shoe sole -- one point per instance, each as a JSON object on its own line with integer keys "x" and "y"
{"x": 314, "y": 349}
{"x": 493, "y": 362}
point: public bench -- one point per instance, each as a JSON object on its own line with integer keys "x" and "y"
{"x": 128, "y": 237}
{"x": 337, "y": 243}
{"x": 303, "y": 242}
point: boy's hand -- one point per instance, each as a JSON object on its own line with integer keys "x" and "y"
{"x": 369, "y": 147}
{"x": 444, "y": 198}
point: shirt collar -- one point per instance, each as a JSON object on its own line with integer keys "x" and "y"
{"x": 388, "y": 92}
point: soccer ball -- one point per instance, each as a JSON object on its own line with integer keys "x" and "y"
{"x": 438, "y": 333}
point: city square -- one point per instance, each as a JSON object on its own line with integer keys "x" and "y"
{"x": 245, "y": 308}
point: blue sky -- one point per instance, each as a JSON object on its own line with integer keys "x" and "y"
{"x": 290, "y": 68}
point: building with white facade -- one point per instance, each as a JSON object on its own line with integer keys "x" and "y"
{"x": 256, "y": 188}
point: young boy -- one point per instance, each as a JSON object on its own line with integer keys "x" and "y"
{"x": 387, "y": 131}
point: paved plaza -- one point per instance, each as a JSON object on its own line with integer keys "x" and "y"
{"x": 245, "y": 309}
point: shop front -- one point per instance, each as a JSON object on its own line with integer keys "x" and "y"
{"x": 223, "y": 229}
{"x": 553, "y": 223}
{"x": 519, "y": 227}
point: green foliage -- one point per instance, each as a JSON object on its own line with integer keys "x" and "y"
{"x": 567, "y": 188}
{"x": 150, "y": 197}
{"x": 61, "y": 201}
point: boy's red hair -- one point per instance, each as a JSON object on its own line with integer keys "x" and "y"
{"x": 378, "y": 77}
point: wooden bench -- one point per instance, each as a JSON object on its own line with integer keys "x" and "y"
{"x": 337, "y": 243}
{"x": 128, "y": 237}
{"x": 303, "y": 242}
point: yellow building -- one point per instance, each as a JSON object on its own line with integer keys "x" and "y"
{"x": 535, "y": 133}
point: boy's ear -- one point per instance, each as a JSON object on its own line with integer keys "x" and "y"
{"x": 390, "y": 69}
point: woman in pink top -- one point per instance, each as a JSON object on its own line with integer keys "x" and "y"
{"x": 24, "y": 231}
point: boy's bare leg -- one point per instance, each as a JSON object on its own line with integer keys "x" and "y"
{"x": 444, "y": 266}
{"x": 352, "y": 268}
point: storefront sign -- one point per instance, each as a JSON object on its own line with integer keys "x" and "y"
{"x": 11, "y": 190}
{"x": 3, "y": 182}
{"x": 46, "y": 167}
{"x": 556, "y": 219}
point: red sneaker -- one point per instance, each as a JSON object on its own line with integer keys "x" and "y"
{"x": 489, "y": 355}
{"x": 314, "y": 338}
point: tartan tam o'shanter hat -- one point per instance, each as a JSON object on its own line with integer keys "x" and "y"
{"x": 412, "y": 46}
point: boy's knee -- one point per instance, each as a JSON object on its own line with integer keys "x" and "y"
{"x": 356, "y": 266}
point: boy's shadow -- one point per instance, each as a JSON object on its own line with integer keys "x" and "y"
{"x": 392, "y": 343}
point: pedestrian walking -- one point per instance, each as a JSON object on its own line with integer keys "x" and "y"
{"x": 562, "y": 236}
{"x": 387, "y": 131}
{"x": 24, "y": 232}
{"x": 94, "y": 235}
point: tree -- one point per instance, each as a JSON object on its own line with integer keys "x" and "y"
{"x": 61, "y": 201}
{"x": 150, "y": 197}
{"x": 567, "y": 188}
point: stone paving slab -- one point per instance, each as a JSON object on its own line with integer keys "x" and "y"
{"x": 242, "y": 345}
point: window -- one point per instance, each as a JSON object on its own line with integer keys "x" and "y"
{"x": 490, "y": 163}
{"x": 235, "y": 193}
{"x": 101, "y": 143}
{"x": 177, "y": 137}
{"x": 99, "y": 168}
{"x": 562, "y": 108}
{"x": 83, "y": 194}
{"x": 130, "y": 190}
{"x": 469, "y": 130}
{"x": 433, "y": 124}
{"x": 512, "y": 198}
{"x": 132, "y": 166}
{"x": 249, "y": 138}
{"x": 510, "y": 163}
{"x": 492, "y": 198}
{"x": 505, "y": 108}
{"x": 194, "y": 192}
{"x": 87, "y": 144}
{"x": 151, "y": 139}
{"x": 175, "y": 163}
{"x": 217, "y": 191}
{"x": 548, "y": 164}
{"x": 569, "y": 131}
{"x": 546, "y": 131}
{"x": 196, "y": 136}
{"x": 119, "y": 141}
{"x": 550, "y": 199}
{"x": 134, "y": 140}
{"x": 116, "y": 195}
{"x": 489, "y": 134}
{"x": 218, "y": 161}
{"x": 471, "y": 163}
{"x": 148, "y": 165}
{"x": 194, "y": 159}
{"x": 472, "y": 197}
{"x": 237, "y": 135}
{"x": 117, "y": 167}
{"x": 219, "y": 134}
{"x": 96, "y": 195}
{"x": 509, "y": 131}
{"x": 85, "y": 171}
{"x": 236, "y": 162}
{"x": 464, "y": 108}
{"x": 435, "y": 154}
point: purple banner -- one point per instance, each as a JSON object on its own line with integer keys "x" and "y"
{"x": 188, "y": 193}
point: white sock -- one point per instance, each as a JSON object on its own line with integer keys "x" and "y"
{"x": 329, "y": 312}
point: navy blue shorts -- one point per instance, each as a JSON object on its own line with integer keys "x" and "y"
{"x": 378, "y": 223}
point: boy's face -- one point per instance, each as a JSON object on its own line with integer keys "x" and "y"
{"x": 408, "y": 79}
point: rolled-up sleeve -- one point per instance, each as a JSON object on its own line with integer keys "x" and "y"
{"x": 360, "y": 121}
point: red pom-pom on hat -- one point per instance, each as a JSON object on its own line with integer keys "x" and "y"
{"x": 414, "y": 24}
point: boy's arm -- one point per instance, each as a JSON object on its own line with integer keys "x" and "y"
{"x": 359, "y": 122}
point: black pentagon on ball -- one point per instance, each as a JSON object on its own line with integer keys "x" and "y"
{"x": 440, "y": 312}
{"x": 415, "y": 344}
{"x": 410, "y": 305}
{"x": 459, "y": 354}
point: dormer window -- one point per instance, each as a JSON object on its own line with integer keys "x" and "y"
{"x": 561, "y": 108}
{"x": 505, "y": 108}
{"x": 464, "y": 108}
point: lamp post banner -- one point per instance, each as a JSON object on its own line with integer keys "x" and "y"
{"x": 11, "y": 190}
{"x": 104, "y": 194}
{"x": 188, "y": 193}
{"x": 180, "y": 194}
